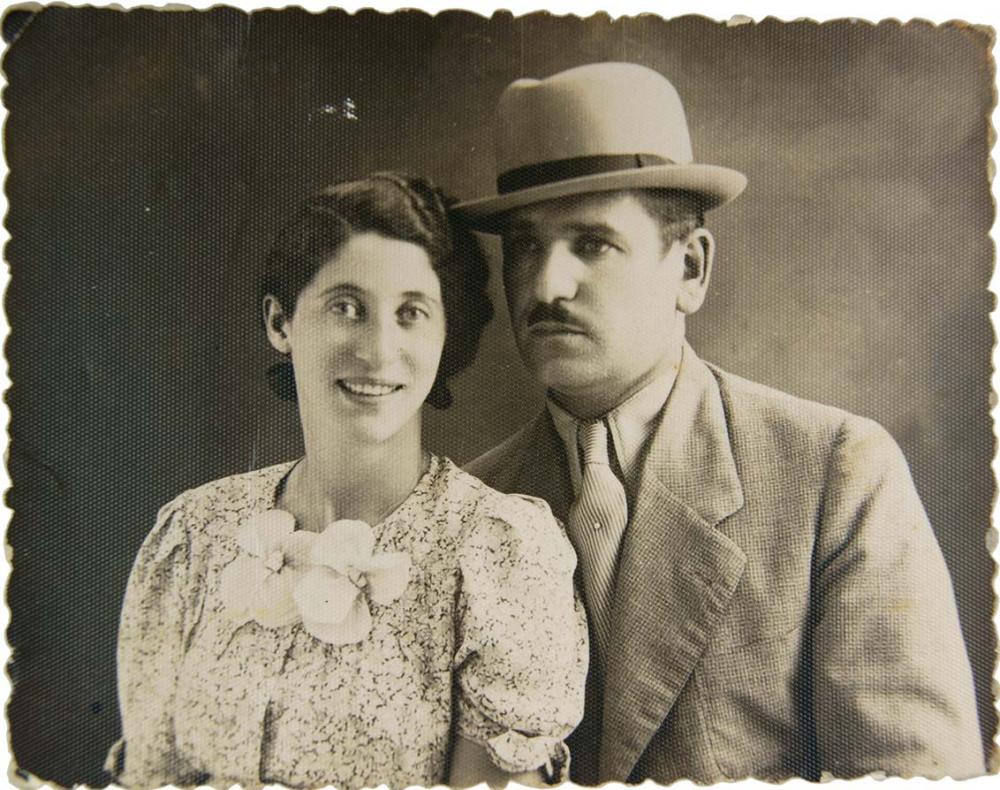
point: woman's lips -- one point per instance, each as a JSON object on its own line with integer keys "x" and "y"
{"x": 368, "y": 388}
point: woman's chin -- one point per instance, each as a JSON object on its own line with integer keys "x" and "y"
{"x": 360, "y": 419}
{"x": 379, "y": 433}
{"x": 382, "y": 424}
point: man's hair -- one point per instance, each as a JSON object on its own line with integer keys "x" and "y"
{"x": 677, "y": 213}
{"x": 397, "y": 207}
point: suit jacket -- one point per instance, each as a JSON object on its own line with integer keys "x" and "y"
{"x": 781, "y": 606}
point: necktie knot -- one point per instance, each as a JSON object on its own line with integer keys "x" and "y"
{"x": 593, "y": 438}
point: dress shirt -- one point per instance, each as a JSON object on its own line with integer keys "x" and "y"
{"x": 631, "y": 423}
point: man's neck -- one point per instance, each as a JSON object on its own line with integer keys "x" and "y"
{"x": 595, "y": 402}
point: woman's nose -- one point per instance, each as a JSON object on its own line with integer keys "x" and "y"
{"x": 377, "y": 342}
{"x": 556, "y": 276}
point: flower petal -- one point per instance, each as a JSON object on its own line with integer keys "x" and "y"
{"x": 324, "y": 596}
{"x": 353, "y": 628}
{"x": 274, "y": 604}
{"x": 238, "y": 585}
{"x": 297, "y": 546}
{"x": 344, "y": 544}
{"x": 388, "y": 576}
{"x": 261, "y": 534}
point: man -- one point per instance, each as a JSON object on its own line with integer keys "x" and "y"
{"x": 766, "y": 596}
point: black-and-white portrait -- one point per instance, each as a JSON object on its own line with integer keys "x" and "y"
{"x": 417, "y": 399}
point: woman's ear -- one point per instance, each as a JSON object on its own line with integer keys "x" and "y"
{"x": 699, "y": 255}
{"x": 276, "y": 324}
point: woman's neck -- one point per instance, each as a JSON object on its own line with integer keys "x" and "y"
{"x": 340, "y": 479}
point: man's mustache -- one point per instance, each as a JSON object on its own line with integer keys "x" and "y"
{"x": 555, "y": 312}
{"x": 549, "y": 312}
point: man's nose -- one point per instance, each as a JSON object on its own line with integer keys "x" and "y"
{"x": 556, "y": 276}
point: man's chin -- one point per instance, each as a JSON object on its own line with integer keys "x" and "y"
{"x": 569, "y": 351}
{"x": 567, "y": 375}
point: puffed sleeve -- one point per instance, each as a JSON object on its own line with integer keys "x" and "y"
{"x": 521, "y": 662}
{"x": 892, "y": 684}
{"x": 151, "y": 635}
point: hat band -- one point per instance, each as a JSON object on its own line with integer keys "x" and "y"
{"x": 576, "y": 167}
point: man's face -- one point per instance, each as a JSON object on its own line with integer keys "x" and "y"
{"x": 596, "y": 302}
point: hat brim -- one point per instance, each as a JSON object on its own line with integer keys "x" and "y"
{"x": 711, "y": 184}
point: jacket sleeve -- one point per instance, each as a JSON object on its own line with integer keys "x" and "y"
{"x": 892, "y": 686}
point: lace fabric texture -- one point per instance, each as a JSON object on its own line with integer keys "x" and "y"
{"x": 488, "y": 630}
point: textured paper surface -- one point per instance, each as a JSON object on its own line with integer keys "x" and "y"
{"x": 152, "y": 156}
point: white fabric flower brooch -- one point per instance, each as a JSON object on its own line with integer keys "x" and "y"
{"x": 328, "y": 580}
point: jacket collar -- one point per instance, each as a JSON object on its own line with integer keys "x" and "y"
{"x": 690, "y": 451}
{"x": 542, "y": 470}
{"x": 677, "y": 571}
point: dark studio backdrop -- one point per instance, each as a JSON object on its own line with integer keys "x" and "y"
{"x": 153, "y": 155}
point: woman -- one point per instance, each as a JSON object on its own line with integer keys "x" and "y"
{"x": 369, "y": 613}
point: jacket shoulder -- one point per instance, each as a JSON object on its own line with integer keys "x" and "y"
{"x": 766, "y": 424}
{"x": 761, "y": 406}
{"x": 497, "y": 466}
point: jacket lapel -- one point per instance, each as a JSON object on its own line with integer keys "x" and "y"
{"x": 676, "y": 571}
{"x": 542, "y": 470}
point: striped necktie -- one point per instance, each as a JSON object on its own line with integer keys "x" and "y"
{"x": 597, "y": 521}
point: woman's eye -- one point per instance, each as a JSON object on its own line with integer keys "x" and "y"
{"x": 410, "y": 314}
{"x": 346, "y": 308}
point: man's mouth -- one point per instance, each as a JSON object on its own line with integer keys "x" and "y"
{"x": 368, "y": 388}
{"x": 555, "y": 328}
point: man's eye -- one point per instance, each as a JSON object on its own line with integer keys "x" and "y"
{"x": 593, "y": 246}
{"x": 521, "y": 246}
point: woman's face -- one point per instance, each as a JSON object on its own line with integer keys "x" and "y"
{"x": 365, "y": 338}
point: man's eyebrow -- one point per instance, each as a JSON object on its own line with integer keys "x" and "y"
{"x": 578, "y": 226}
{"x": 592, "y": 227}
{"x": 519, "y": 226}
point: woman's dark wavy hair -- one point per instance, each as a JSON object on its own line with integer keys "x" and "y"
{"x": 398, "y": 207}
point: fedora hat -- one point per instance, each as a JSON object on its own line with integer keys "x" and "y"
{"x": 593, "y": 128}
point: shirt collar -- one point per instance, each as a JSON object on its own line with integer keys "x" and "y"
{"x": 631, "y": 423}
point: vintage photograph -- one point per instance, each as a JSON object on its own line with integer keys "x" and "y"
{"x": 417, "y": 399}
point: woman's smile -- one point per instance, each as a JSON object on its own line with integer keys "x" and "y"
{"x": 368, "y": 388}
{"x": 366, "y": 337}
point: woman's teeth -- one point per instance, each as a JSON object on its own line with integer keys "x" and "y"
{"x": 369, "y": 389}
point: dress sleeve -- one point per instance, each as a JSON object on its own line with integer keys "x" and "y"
{"x": 151, "y": 636}
{"x": 521, "y": 662}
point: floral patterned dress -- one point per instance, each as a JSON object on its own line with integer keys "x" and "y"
{"x": 483, "y": 637}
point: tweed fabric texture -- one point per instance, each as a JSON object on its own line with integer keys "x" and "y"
{"x": 781, "y": 607}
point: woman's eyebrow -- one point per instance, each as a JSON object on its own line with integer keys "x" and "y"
{"x": 356, "y": 290}
{"x": 421, "y": 295}
{"x": 349, "y": 288}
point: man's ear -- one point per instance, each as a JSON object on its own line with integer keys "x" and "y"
{"x": 699, "y": 255}
{"x": 276, "y": 324}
